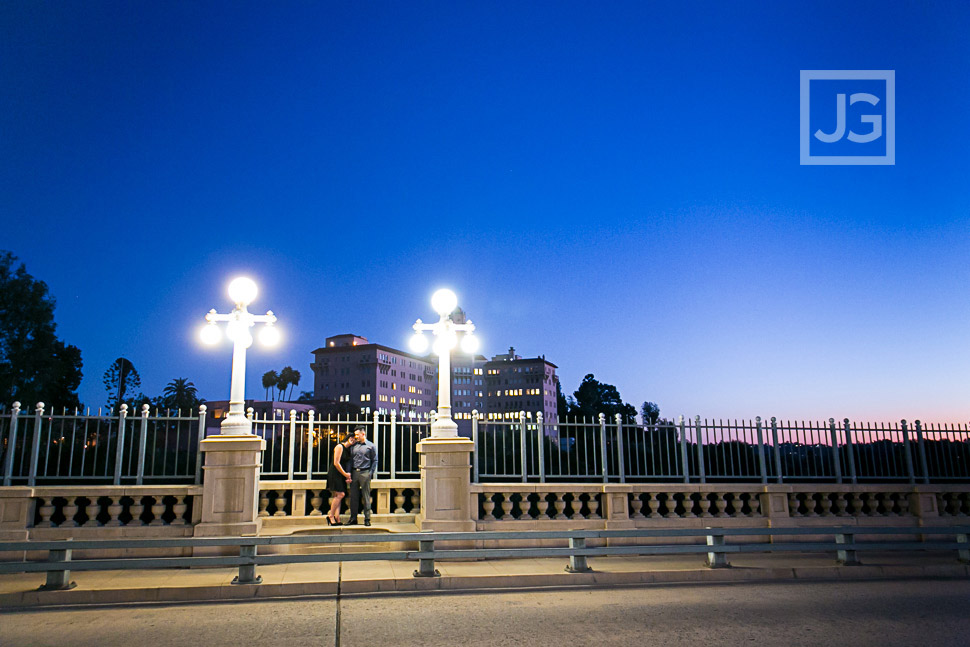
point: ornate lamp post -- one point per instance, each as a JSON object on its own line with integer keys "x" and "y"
{"x": 242, "y": 291}
{"x": 446, "y": 332}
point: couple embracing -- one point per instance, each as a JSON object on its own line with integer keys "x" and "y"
{"x": 352, "y": 466}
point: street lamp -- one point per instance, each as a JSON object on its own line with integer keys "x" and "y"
{"x": 242, "y": 291}
{"x": 446, "y": 332}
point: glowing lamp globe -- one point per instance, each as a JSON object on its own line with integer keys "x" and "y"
{"x": 469, "y": 343}
{"x": 210, "y": 334}
{"x": 444, "y": 301}
{"x": 242, "y": 290}
{"x": 418, "y": 343}
{"x": 269, "y": 335}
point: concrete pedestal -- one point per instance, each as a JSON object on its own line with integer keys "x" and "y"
{"x": 445, "y": 481}
{"x": 230, "y": 486}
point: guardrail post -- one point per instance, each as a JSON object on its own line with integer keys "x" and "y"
{"x": 908, "y": 453}
{"x": 716, "y": 559}
{"x": 392, "y": 442}
{"x": 542, "y": 446}
{"x": 577, "y": 563}
{"x": 846, "y": 557}
{"x": 701, "y": 469}
{"x": 142, "y": 441}
{"x": 35, "y": 444}
{"x": 836, "y": 462}
{"x": 524, "y": 446}
{"x": 59, "y": 580}
{"x": 850, "y": 446}
{"x": 684, "y": 459}
{"x": 198, "y": 450}
{"x": 620, "y": 463}
{"x": 11, "y": 445}
{"x": 247, "y": 571}
{"x": 291, "y": 458}
{"x": 963, "y": 554}
{"x": 606, "y": 467}
{"x": 779, "y": 478}
{"x": 426, "y": 565}
{"x": 921, "y": 445}
{"x": 120, "y": 445}
{"x": 475, "y": 452}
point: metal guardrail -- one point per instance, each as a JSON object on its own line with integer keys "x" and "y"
{"x": 59, "y": 563}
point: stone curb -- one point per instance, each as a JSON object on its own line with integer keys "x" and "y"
{"x": 80, "y": 596}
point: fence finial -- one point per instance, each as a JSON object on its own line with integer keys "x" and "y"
{"x": 144, "y": 410}
{"x": 40, "y": 407}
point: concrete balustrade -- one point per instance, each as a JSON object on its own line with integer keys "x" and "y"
{"x": 305, "y": 503}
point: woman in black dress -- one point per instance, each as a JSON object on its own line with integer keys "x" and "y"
{"x": 338, "y": 476}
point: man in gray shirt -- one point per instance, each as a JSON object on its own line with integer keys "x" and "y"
{"x": 363, "y": 464}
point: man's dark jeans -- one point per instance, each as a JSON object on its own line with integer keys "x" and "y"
{"x": 359, "y": 488}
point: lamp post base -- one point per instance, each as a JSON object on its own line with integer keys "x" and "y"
{"x": 444, "y": 428}
{"x": 236, "y": 425}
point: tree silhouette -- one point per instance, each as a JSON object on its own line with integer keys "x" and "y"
{"x": 181, "y": 395}
{"x": 270, "y": 379}
{"x": 120, "y": 378}
{"x": 34, "y": 365}
{"x": 288, "y": 378}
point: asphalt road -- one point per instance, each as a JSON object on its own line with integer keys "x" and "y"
{"x": 852, "y": 614}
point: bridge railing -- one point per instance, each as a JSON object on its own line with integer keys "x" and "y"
{"x": 144, "y": 447}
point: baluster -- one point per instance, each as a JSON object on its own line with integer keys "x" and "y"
{"x": 114, "y": 511}
{"x": 653, "y": 505}
{"x": 70, "y": 511}
{"x": 506, "y": 507}
{"x": 523, "y": 506}
{"x": 594, "y": 506}
{"x": 91, "y": 510}
{"x": 794, "y": 505}
{"x": 811, "y": 504}
{"x": 315, "y": 502}
{"x": 158, "y": 509}
{"x": 705, "y": 504}
{"x": 137, "y": 510}
{"x": 179, "y": 508}
{"x": 559, "y": 503}
{"x": 754, "y": 502}
{"x": 415, "y": 501}
{"x": 263, "y": 503}
{"x": 489, "y": 505}
{"x": 398, "y": 501}
{"x": 825, "y": 502}
{"x": 46, "y": 511}
{"x": 689, "y": 502}
{"x": 671, "y": 504}
{"x": 840, "y": 505}
{"x": 577, "y": 507}
{"x": 542, "y": 505}
{"x": 636, "y": 504}
{"x": 902, "y": 501}
{"x": 280, "y": 504}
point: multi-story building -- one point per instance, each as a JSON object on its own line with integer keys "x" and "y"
{"x": 514, "y": 384}
{"x": 378, "y": 378}
{"x": 374, "y": 377}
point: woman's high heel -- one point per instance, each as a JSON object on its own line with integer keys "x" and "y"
{"x": 329, "y": 522}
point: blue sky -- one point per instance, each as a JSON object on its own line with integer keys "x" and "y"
{"x": 615, "y": 186}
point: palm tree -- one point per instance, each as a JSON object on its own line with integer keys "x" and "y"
{"x": 288, "y": 378}
{"x": 181, "y": 394}
{"x": 270, "y": 379}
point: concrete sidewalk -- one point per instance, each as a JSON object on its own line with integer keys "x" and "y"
{"x": 349, "y": 578}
